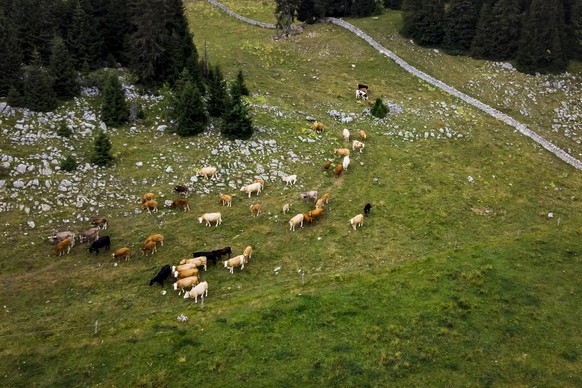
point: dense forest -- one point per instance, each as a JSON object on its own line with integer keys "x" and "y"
{"x": 538, "y": 35}
{"x": 46, "y": 44}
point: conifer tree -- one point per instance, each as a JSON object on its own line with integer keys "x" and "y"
{"x": 379, "y": 110}
{"x": 62, "y": 70}
{"x": 540, "y": 46}
{"x": 217, "y": 93}
{"x": 460, "y": 24}
{"x": 114, "y": 109}
{"x": 101, "y": 155}
{"x": 239, "y": 84}
{"x": 506, "y": 29}
{"x": 38, "y": 87}
{"x": 285, "y": 13}
{"x": 482, "y": 46}
{"x": 236, "y": 122}
{"x": 423, "y": 21}
{"x": 191, "y": 117}
{"x": 83, "y": 40}
{"x": 574, "y": 32}
{"x": 10, "y": 56}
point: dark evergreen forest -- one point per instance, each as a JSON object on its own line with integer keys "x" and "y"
{"x": 46, "y": 46}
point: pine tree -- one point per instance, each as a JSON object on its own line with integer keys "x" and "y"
{"x": 379, "y": 110}
{"x": 217, "y": 94}
{"x": 101, "y": 155}
{"x": 83, "y": 41}
{"x": 363, "y": 8}
{"x": 481, "y": 46}
{"x": 540, "y": 46}
{"x": 239, "y": 84}
{"x": 574, "y": 32}
{"x": 114, "y": 109}
{"x": 236, "y": 122}
{"x": 460, "y": 25}
{"x": 306, "y": 12}
{"x": 38, "y": 87}
{"x": 506, "y": 29}
{"x": 62, "y": 70}
{"x": 10, "y": 56}
{"x": 191, "y": 117}
{"x": 424, "y": 21}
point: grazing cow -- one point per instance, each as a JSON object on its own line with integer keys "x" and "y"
{"x": 63, "y": 245}
{"x": 210, "y": 217}
{"x": 341, "y": 152}
{"x": 357, "y": 221}
{"x": 338, "y": 170}
{"x": 186, "y": 282}
{"x": 147, "y": 197}
{"x": 317, "y": 127}
{"x": 346, "y": 134}
{"x": 162, "y": 275}
{"x": 208, "y": 172}
{"x": 92, "y": 233}
{"x": 346, "y": 163}
{"x": 237, "y": 261}
{"x": 367, "y": 209}
{"x": 122, "y": 252}
{"x": 185, "y": 273}
{"x": 198, "y": 261}
{"x": 60, "y": 236}
{"x": 259, "y": 180}
{"x": 307, "y": 218}
{"x": 225, "y": 199}
{"x": 218, "y": 253}
{"x": 362, "y": 134}
{"x": 248, "y": 253}
{"x": 100, "y": 223}
{"x": 209, "y": 256}
{"x": 199, "y": 290}
{"x": 101, "y": 242}
{"x": 325, "y": 197}
{"x": 155, "y": 238}
{"x": 286, "y": 207}
{"x": 252, "y": 188}
{"x": 150, "y": 246}
{"x": 319, "y": 204}
{"x": 151, "y": 206}
{"x": 296, "y": 220}
{"x": 317, "y": 213}
{"x": 256, "y": 209}
{"x": 290, "y": 179}
{"x": 358, "y": 145}
{"x": 361, "y": 94}
{"x": 309, "y": 195}
{"x": 182, "y": 190}
{"x": 327, "y": 165}
{"x": 181, "y": 204}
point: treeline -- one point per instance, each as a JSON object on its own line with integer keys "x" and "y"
{"x": 537, "y": 35}
{"x": 60, "y": 38}
{"x": 48, "y": 48}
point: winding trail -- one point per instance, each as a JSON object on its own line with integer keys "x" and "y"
{"x": 560, "y": 153}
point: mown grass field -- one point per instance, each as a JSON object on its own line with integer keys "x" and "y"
{"x": 449, "y": 282}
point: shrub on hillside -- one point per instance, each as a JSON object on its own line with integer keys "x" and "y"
{"x": 63, "y": 130}
{"x": 379, "y": 110}
{"x": 68, "y": 164}
{"x": 102, "y": 150}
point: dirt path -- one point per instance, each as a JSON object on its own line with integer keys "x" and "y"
{"x": 560, "y": 153}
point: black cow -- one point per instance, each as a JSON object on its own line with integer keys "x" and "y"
{"x": 367, "y": 209}
{"x": 101, "y": 242}
{"x": 182, "y": 190}
{"x": 164, "y": 274}
{"x": 222, "y": 252}
{"x": 209, "y": 256}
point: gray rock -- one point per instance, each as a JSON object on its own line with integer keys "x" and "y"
{"x": 21, "y": 168}
{"x": 18, "y": 184}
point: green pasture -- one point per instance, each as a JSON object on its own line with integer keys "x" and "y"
{"x": 458, "y": 277}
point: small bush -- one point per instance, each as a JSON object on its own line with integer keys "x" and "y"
{"x": 69, "y": 164}
{"x": 64, "y": 130}
{"x": 379, "y": 110}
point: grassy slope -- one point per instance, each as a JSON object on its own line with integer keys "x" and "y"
{"x": 427, "y": 292}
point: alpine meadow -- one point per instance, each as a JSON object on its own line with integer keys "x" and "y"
{"x": 466, "y": 272}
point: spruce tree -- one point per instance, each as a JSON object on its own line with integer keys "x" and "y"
{"x": 379, "y": 110}
{"x": 239, "y": 84}
{"x": 10, "y": 56}
{"x": 481, "y": 46}
{"x": 506, "y": 29}
{"x": 101, "y": 155}
{"x": 84, "y": 40}
{"x": 574, "y": 32}
{"x": 540, "y": 46}
{"x": 62, "y": 70}
{"x": 217, "y": 93}
{"x": 191, "y": 117}
{"x": 114, "y": 109}
{"x": 38, "y": 87}
{"x": 236, "y": 122}
{"x": 423, "y": 21}
{"x": 460, "y": 25}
